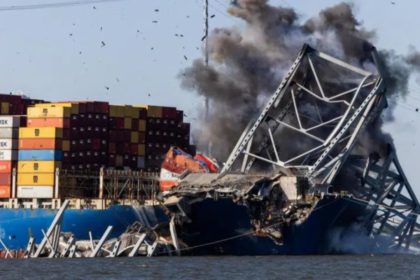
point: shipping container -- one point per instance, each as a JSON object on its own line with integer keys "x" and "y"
{"x": 6, "y": 166}
{"x": 9, "y": 133}
{"x": 40, "y": 144}
{"x": 141, "y": 150}
{"x": 5, "y": 179}
{"x": 49, "y": 155}
{"x": 38, "y": 166}
{"x": 49, "y": 122}
{"x": 154, "y": 111}
{"x": 35, "y": 191}
{"x": 127, "y": 123}
{"x": 12, "y": 121}
{"x": 8, "y": 144}
{"x": 142, "y": 125}
{"x": 8, "y": 155}
{"x": 5, "y": 191}
{"x": 141, "y": 162}
{"x": 116, "y": 111}
{"x": 36, "y": 179}
{"x": 5, "y": 108}
{"x": 134, "y": 137}
{"x": 74, "y": 107}
{"x": 65, "y": 146}
{"x": 49, "y": 112}
{"x": 41, "y": 132}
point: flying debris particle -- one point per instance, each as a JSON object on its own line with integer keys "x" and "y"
{"x": 417, "y": 109}
{"x": 138, "y": 31}
{"x": 185, "y": 57}
{"x": 94, "y": 7}
{"x": 155, "y": 21}
{"x": 71, "y": 34}
{"x": 188, "y": 16}
{"x": 156, "y": 10}
{"x": 118, "y": 80}
{"x": 80, "y": 52}
{"x": 212, "y": 16}
{"x": 107, "y": 88}
{"x": 100, "y": 28}
{"x": 103, "y": 44}
{"x": 181, "y": 35}
{"x": 152, "y": 48}
{"x": 185, "y": 115}
{"x": 176, "y": 35}
{"x": 393, "y": 3}
{"x": 148, "y": 95}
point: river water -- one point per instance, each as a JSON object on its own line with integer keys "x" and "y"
{"x": 273, "y": 267}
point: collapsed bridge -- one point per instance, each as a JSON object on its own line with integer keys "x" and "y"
{"x": 318, "y": 136}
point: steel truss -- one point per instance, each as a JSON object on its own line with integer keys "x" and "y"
{"x": 309, "y": 128}
{"x": 312, "y": 120}
{"x": 392, "y": 202}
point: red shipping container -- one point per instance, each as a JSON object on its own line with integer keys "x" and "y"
{"x": 116, "y": 123}
{"x": 6, "y": 166}
{"x": 5, "y": 191}
{"x": 169, "y": 112}
{"x": 101, "y": 107}
{"x": 134, "y": 148}
{"x": 5, "y": 179}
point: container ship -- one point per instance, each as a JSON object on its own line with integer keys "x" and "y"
{"x": 100, "y": 156}
{"x": 303, "y": 177}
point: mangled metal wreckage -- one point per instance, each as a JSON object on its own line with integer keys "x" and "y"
{"x": 305, "y": 167}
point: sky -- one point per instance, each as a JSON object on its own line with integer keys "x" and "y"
{"x": 137, "y": 49}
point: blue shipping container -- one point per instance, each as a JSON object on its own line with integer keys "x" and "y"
{"x": 40, "y": 155}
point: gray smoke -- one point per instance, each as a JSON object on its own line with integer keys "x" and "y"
{"x": 247, "y": 64}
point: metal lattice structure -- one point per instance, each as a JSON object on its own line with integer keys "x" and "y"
{"x": 312, "y": 120}
{"x": 309, "y": 128}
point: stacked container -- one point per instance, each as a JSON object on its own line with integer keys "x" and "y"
{"x": 40, "y": 150}
{"x": 9, "y": 126}
{"x": 127, "y": 126}
{"x": 165, "y": 128}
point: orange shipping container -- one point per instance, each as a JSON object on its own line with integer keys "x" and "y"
{"x": 5, "y": 166}
{"x": 40, "y": 144}
{"x": 49, "y": 122}
{"x": 4, "y": 191}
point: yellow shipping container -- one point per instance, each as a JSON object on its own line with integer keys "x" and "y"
{"x": 116, "y": 111}
{"x": 154, "y": 111}
{"x": 36, "y": 179}
{"x": 141, "y": 150}
{"x": 5, "y": 108}
{"x": 134, "y": 137}
{"x": 142, "y": 125}
{"x": 134, "y": 112}
{"x": 65, "y": 145}
{"x": 49, "y": 112}
{"x": 73, "y": 106}
{"x": 40, "y": 132}
{"x": 38, "y": 166}
{"x": 127, "y": 123}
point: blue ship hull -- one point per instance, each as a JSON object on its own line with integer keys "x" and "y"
{"x": 17, "y": 225}
{"x": 211, "y": 221}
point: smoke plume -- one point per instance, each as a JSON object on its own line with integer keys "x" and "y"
{"x": 248, "y": 63}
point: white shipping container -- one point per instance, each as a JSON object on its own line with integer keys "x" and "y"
{"x": 8, "y": 144}
{"x": 35, "y": 192}
{"x": 9, "y": 133}
{"x": 8, "y": 154}
{"x": 10, "y": 121}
